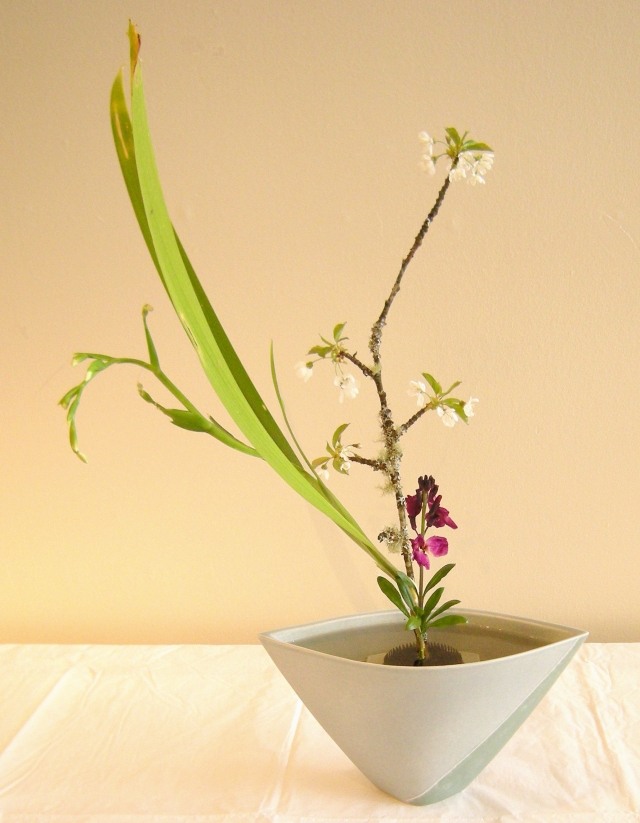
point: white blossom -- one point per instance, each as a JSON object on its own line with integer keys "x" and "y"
{"x": 304, "y": 370}
{"x": 468, "y": 406}
{"x": 345, "y": 454}
{"x": 483, "y": 162}
{"x": 472, "y": 166}
{"x": 426, "y": 161}
{"x": 419, "y": 391}
{"x": 348, "y": 386}
{"x": 323, "y": 473}
{"x": 448, "y": 416}
{"x": 427, "y": 164}
{"x": 459, "y": 173}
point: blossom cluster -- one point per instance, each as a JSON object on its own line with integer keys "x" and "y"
{"x": 472, "y": 166}
{"x": 426, "y": 504}
{"x": 334, "y": 351}
{"x": 346, "y": 383}
{"x": 470, "y": 161}
{"x": 339, "y": 454}
{"x": 447, "y": 414}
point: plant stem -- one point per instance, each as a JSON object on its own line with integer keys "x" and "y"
{"x": 358, "y": 363}
{"x": 391, "y": 434}
{"x": 414, "y": 419}
{"x": 422, "y": 646}
{"x": 376, "y": 331}
{"x": 157, "y": 372}
{"x": 376, "y": 465}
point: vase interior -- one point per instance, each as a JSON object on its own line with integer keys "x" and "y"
{"x": 484, "y": 637}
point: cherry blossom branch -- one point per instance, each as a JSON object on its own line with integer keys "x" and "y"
{"x": 357, "y": 363}
{"x": 413, "y": 419}
{"x": 469, "y": 160}
{"x": 376, "y": 465}
{"x": 390, "y": 433}
{"x": 376, "y": 332}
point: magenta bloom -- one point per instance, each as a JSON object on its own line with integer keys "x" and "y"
{"x": 436, "y": 516}
{"x": 418, "y": 545}
{"x": 439, "y": 516}
{"x": 413, "y": 503}
{"x": 438, "y": 546}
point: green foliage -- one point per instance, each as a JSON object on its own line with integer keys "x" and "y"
{"x": 321, "y": 351}
{"x": 436, "y": 388}
{"x": 441, "y": 396}
{"x": 458, "y": 407}
{"x": 337, "y": 333}
{"x": 449, "y": 620}
{"x": 71, "y": 400}
{"x": 151, "y": 348}
{"x": 438, "y": 576}
{"x": 260, "y": 434}
{"x": 421, "y": 616}
{"x": 338, "y": 454}
{"x": 456, "y": 144}
{"x": 390, "y": 591}
{"x": 183, "y": 418}
{"x": 187, "y": 418}
{"x": 217, "y": 356}
{"x": 332, "y": 349}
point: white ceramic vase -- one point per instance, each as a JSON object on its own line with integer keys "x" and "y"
{"x": 422, "y": 734}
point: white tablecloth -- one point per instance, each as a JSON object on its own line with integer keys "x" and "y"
{"x": 133, "y": 734}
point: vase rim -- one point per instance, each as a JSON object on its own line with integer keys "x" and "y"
{"x": 545, "y": 632}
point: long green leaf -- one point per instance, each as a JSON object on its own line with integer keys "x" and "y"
{"x": 217, "y": 356}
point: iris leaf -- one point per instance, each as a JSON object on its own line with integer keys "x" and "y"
{"x": 218, "y": 358}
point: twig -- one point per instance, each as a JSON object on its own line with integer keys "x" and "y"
{"x": 376, "y": 332}
{"x": 376, "y": 465}
{"x": 356, "y": 362}
{"x": 413, "y": 419}
{"x": 391, "y": 435}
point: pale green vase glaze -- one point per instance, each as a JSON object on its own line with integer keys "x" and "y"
{"x": 422, "y": 734}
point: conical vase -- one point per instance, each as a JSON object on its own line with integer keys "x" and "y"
{"x": 422, "y": 734}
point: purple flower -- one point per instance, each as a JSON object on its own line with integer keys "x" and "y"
{"x": 438, "y": 546}
{"x": 413, "y": 503}
{"x": 418, "y": 544}
{"x": 426, "y": 495}
{"x": 438, "y": 516}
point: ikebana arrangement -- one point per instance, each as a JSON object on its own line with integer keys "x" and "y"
{"x": 416, "y": 597}
{"x": 419, "y": 727}
{"x": 419, "y": 515}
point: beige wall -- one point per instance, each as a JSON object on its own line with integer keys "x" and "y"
{"x": 286, "y": 135}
